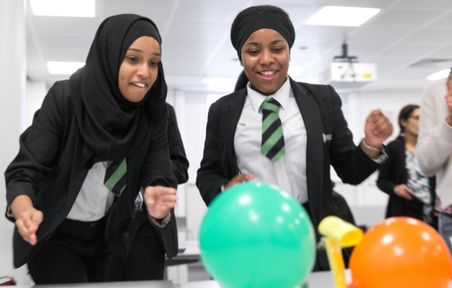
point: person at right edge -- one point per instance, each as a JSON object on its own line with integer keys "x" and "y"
{"x": 314, "y": 131}
{"x": 434, "y": 151}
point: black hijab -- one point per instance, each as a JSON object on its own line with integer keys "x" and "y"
{"x": 260, "y": 17}
{"x": 110, "y": 125}
{"x": 255, "y": 18}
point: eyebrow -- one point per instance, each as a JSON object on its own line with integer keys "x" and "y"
{"x": 258, "y": 43}
{"x": 140, "y": 51}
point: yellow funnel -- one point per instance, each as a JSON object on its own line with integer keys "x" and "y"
{"x": 345, "y": 233}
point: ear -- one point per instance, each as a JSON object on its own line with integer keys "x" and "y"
{"x": 403, "y": 122}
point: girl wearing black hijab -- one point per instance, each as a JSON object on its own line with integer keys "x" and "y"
{"x": 98, "y": 139}
{"x": 276, "y": 130}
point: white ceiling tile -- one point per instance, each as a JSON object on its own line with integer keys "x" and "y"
{"x": 196, "y": 37}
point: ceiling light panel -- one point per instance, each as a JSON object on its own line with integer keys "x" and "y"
{"x": 342, "y": 16}
{"x": 66, "y": 8}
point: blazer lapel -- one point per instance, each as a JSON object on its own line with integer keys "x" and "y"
{"x": 229, "y": 123}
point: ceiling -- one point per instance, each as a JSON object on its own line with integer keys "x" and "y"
{"x": 407, "y": 40}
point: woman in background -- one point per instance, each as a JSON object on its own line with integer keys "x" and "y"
{"x": 410, "y": 192}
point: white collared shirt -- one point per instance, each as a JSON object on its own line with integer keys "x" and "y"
{"x": 289, "y": 172}
{"x": 94, "y": 199}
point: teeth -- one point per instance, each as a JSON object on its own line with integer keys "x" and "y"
{"x": 267, "y": 72}
{"x": 138, "y": 84}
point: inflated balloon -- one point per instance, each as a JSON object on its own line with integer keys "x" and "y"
{"x": 401, "y": 252}
{"x": 255, "y": 235}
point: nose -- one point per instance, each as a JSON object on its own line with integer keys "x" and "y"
{"x": 143, "y": 71}
{"x": 267, "y": 57}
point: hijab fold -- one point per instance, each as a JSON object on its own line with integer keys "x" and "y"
{"x": 110, "y": 125}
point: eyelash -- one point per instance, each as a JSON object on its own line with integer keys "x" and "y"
{"x": 276, "y": 50}
{"x": 135, "y": 60}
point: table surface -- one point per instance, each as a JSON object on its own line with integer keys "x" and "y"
{"x": 129, "y": 284}
{"x": 315, "y": 280}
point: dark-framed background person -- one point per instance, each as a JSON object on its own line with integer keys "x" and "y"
{"x": 434, "y": 150}
{"x": 97, "y": 138}
{"x": 146, "y": 255}
{"x": 315, "y": 133}
{"x": 410, "y": 192}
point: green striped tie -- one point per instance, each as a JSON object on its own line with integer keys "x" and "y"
{"x": 115, "y": 176}
{"x": 272, "y": 145}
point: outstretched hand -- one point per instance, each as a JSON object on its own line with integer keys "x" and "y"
{"x": 27, "y": 217}
{"x": 159, "y": 201}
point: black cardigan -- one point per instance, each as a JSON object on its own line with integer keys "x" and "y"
{"x": 392, "y": 173}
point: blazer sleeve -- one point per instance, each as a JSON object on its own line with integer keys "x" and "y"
{"x": 210, "y": 178}
{"x": 39, "y": 148}
{"x": 157, "y": 167}
{"x": 179, "y": 167}
{"x": 157, "y": 171}
{"x": 351, "y": 164}
{"x": 386, "y": 173}
{"x": 179, "y": 162}
{"x": 169, "y": 237}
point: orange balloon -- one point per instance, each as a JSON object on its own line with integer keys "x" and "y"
{"x": 401, "y": 252}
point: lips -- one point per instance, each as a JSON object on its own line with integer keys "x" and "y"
{"x": 139, "y": 84}
{"x": 267, "y": 74}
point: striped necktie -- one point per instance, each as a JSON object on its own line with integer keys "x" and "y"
{"x": 272, "y": 145}
{"x": 115, "y": 176}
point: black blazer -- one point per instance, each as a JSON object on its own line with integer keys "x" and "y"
{"x": 179, "y": 167}
{"x": 393, "y": 172}
{"x": 329, "y": 141}
{"x": 53, "y": 162}
{"x": 179, "y": 162}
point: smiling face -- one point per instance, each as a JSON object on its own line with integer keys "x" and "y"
{"x": 139, "y": 68}
{"x": 265, "y": 60}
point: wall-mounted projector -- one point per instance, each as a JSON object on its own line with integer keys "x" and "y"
{"x": 353, "y": 72}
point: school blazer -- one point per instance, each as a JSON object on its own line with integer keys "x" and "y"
{"x": 329, "y": 141}
{"x": 53, "y": 162}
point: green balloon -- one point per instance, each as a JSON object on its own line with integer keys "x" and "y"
{"x": 255, "y": 235}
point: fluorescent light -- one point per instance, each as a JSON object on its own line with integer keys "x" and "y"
{"x": 63, "y": 68}
{"x": 342, "y": 16}
{"x": 64, "y": 8}
{"x": 439, "y": 75}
